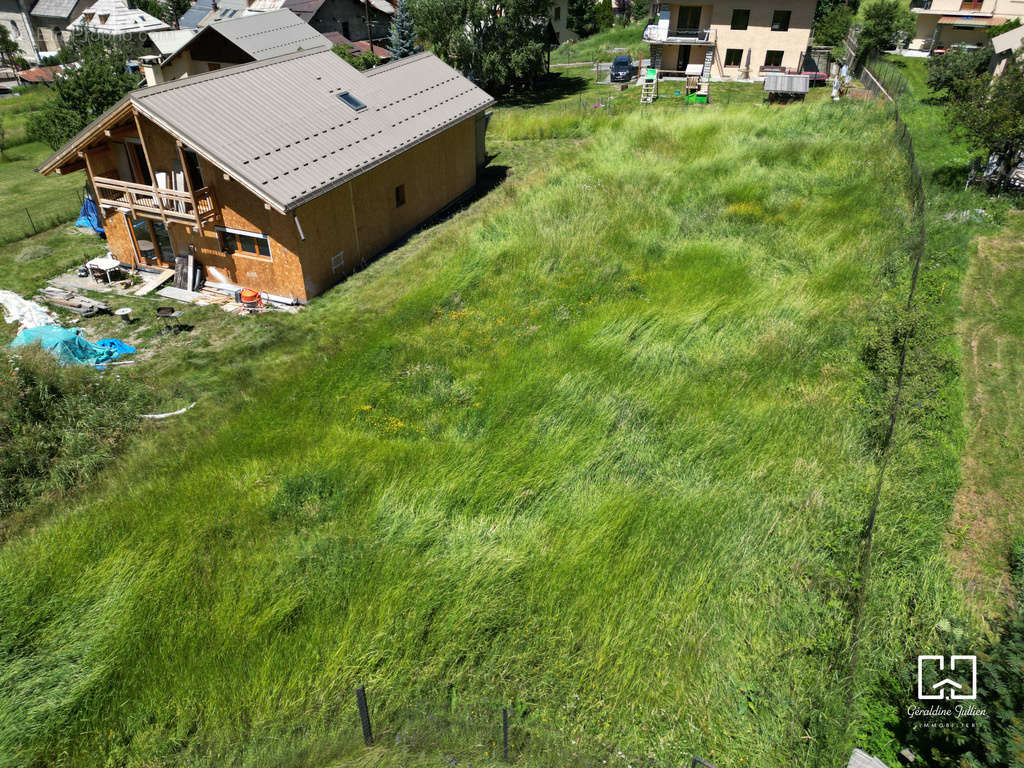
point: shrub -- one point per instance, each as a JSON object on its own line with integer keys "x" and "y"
{"x": 955, "y": 71}
{"x": 58, "y": 425}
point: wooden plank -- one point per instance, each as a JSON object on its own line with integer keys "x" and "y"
{"x": 189, "y": 297}
{"x": 155, "y": 282}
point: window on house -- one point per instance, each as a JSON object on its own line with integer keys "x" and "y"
{"x": 558, "y": 12}
{"x": 780, "y": 21}
{"x": 773, "y": 58}
{"x": 233, "y": 241}
{"x": 733, "y": 57}
{"x": 740, "y": 18}
{"x": 399, "y": 195}
{"x": 352, "y": 101}
{"x": 212, "y": 67}
{"x": 344, "y": 29}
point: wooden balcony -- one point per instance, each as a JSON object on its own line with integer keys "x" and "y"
{"x": 152, "y": 202}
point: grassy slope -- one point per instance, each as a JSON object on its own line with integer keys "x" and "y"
{"x": 598, "y": 453}
{"x": 49, "y": 200}
{"x": 924, "y": 473}
{"x": 601, "y": 45}
{"x": 16, "y": 110}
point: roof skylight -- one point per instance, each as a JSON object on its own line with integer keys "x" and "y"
{"x": 352, "y": 101}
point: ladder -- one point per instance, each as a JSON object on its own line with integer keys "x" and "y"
{"x": 705, "y": 74}
{"x": 649, "y": 90}
{"x": 709, "y": 57}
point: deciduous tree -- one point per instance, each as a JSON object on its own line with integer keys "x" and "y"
{"x": 499, "y": 45}
{"x": 85, "y": 91}
{"x": 884, "y": 20}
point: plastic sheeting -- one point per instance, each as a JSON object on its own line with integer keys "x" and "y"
{"x": 26, "y": 313}
{"x": 89, "y": 216}
{"x": 69, "y": 346}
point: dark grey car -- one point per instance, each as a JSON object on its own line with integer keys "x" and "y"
{"x": 622, "y": 69}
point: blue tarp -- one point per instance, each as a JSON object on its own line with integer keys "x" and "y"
{"x": 90, "y": 217}
{"x": 69, "y": 347}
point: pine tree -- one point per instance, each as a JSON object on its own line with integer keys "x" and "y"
{"x": 403, "y": 32}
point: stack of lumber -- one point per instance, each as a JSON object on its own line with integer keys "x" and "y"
{"x": 81, "y": 305}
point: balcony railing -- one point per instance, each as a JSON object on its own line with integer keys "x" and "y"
{"x": 153, "y": 202}
{"x": 655, "y": 34}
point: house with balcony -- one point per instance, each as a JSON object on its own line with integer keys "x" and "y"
{"x": 227, "y": 43}
{"x": 944, "y": 23}
{"x": 729, "y": 39}
{"x": 282, "y": 175}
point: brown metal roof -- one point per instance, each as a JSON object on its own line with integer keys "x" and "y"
{"x": 279, "y": 128}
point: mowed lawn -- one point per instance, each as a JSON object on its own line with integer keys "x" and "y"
{"x": 594, "y": 448}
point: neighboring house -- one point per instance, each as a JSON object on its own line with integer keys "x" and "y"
{"x": 942, "y": 23}
{"x": 730, "y": 39}
{"x": 559, "y": 16}
{"x": 282, "y": 175}
{"x": 51, "y": 19}
{"x": 1006, "y": 46}
{"x": 37, "y": 75}
{"x": 226, "y": 43}
{"x": 205, "y": 12}
{"x": 15, "y": 17}
{"x": 115, "y": 18}
{"x": 359, "y": 46}
{"x": 348, "y": 17}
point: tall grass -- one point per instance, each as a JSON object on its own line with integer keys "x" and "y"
{"x": 598, "y": 447}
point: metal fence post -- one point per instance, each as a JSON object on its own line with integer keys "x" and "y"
{"x": 504, "y": 732}
{"x": 31, "y": 223}
{"x": 364, "y": 715}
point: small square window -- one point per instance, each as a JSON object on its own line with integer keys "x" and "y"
{"x": 740, "y": 18}
{"x": 399, "y": 195}
{"x": 352, "y": 101}
{"x": 773, "y": 58}
{"x": 780, "y": 21}
{"x": 733, "y": 57}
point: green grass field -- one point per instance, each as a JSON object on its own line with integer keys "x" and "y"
{"x": 599, "y": 447}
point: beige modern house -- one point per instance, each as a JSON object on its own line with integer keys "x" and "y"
{"x": 730, "y": 39}
{"x": 942, "y": 23}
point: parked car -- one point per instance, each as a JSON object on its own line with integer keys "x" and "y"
{"x": 622, "y": 69}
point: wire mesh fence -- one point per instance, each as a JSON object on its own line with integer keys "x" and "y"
{"x": 479, "y": 730}
{"x": 17, "y": 223}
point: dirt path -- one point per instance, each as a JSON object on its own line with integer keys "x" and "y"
{"x": 989, "y": 508}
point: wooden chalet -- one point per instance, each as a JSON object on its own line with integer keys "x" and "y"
{"x": 282, "y": 175}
